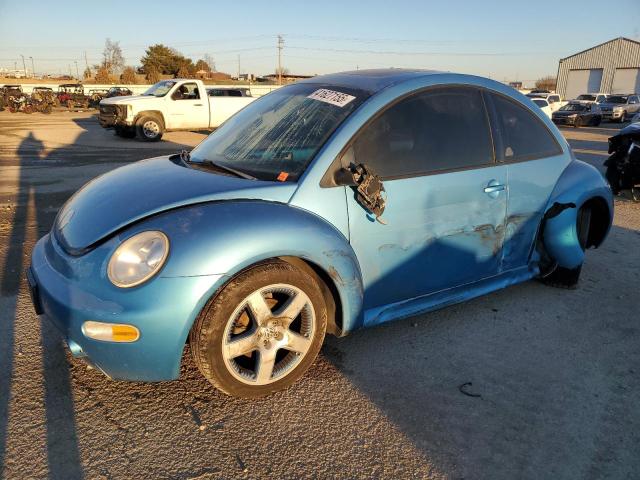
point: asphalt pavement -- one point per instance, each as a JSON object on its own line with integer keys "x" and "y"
{"x": 551, "y": 377}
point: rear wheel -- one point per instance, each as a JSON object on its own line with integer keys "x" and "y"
{"x": 597, "y": 121}
{"x": 261, "y": 332}
{"x": 568, "y": 277}
{"x": 150, "y": 128}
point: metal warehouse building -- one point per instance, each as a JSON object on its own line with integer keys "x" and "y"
{"x": 611, "y": 67}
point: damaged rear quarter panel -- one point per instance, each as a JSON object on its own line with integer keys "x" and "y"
{"x": 578, "y": 183}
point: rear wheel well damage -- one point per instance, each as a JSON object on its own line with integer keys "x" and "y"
{"x": 600, "y": 221}
{"x": 599, "y": 218}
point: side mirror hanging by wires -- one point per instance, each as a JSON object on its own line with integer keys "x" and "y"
{"x": 370, "y": 193}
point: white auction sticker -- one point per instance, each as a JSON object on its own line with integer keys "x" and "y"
{"x": 338, "y": 99}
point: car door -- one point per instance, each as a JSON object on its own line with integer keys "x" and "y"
{"x": 634, "y": 105}
{"x": 188, "y": 108}
{"x": 446, "y": 197}
{"x": 535, "y": 161}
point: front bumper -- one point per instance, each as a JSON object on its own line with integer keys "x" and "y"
{"x": 564, "y": 120}
{"x": 611, "y": 115}
{"x": 112, "y": 116}
{"x": 69, "y": 291}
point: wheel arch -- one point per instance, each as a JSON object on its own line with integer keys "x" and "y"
{"x": 155, "y": 113}
{"x": 579, "y": 186}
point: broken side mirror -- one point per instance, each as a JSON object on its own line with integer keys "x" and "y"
{"x": 344, "y": 177}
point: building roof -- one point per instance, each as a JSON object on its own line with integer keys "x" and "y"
{"x": 600, "y": 45}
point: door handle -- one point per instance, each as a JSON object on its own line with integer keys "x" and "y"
{"x": 197, "y": 105}
{"x": 494, "y": 188}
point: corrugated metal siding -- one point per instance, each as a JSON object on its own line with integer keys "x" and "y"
{"x": 618, "y": 53}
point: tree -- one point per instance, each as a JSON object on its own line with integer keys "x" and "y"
{"x": 546, "y": 83}
{"x": 87, "y": 73}
{"x": 128, "y": 76}
{"x": 202, "y": 65}
{"x": 183, "y": 72}
{"x": 211, "y": 62}
{"x": 112, "y": 58}
{"x": 152, "y": 75}
{"x": 164, "y": 59}
{"x": 103, "y": 75}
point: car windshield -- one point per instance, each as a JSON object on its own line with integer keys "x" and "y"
{"x": 160, "y": 89}
{"x": 587, "y": 97}
{"x": 277, "y": 136}
{"x": 616, "y": 99}
{"x": 574, "y": 107}
{"x": 540, "y": 102}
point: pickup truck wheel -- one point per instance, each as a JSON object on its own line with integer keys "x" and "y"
{"x": 150, "y": 128}
{"x": 261, "y": 332}
{"x": 568, "y": 277}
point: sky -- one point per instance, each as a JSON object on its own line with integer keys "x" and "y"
{"x": 504, "y": 40}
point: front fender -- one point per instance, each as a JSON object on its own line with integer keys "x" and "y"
{"x": 578, "y": 183}
{"x": 223, "y": 238}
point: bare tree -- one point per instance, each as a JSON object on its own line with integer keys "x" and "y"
{"x": 211, "y": 62}
{"x": 128, "y": 76}
{"x": 112, "y": 58}
{"x": 87, "y": 73}
{"x": 546, "y": 83}
{"x": 102, "y": 76}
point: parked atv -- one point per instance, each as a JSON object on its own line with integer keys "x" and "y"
{"x": 71, "y": 95}
{"x": 95, "y": 95}
{"x": 42, "y": 99}
{"x": 19, "y": 103}
{"x": 623, "y": 165}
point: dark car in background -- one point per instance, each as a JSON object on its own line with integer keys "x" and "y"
{"x": 619, "y": 108}
{"x": 578, "y": 115}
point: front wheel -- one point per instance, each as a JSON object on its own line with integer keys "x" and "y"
{"x": 261, "y": 332}
{"x": 150, "y": 128}
{"x": 623, "y": 117}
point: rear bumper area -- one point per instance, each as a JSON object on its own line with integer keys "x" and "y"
{"x": 162, "y": 310}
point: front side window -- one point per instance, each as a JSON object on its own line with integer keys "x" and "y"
{"x": 586, "y": 97}
{"x": 523, "y": 135}
{"x": 439, "y": 129}
{"x": 186, "y": 91}
{"x": 276, "y": 136}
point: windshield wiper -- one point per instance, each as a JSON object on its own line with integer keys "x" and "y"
{"x": 186, "y": 158}
{"x": 237, "y": 173}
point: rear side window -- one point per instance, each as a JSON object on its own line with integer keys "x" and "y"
{"x": 523, "y": 136}
{"x": 439, "y": 129}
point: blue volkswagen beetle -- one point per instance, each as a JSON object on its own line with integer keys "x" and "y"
{"x": 343, "y": 201}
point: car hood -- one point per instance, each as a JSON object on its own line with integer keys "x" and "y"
{"x": 610, "y": 105}
{"x": 128, "y": 194}
{"x": 127, "y": 99}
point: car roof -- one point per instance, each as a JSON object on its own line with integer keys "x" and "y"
{"x": 372, "y": 80}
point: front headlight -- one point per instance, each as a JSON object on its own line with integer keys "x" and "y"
{"x": 617, "y": 109}
{"x": 138, "y": 258}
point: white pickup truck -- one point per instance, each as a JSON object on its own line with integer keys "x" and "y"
{"x": 169, "y": 105}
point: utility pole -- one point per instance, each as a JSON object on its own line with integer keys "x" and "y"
{"x": 77, "y": 71}
{"x": 238, "y": 66}
{"x": 33, "y": 68}
{"x": 86, "y": 62}
{"x": 70, "y": 74}
{"x": 280, "y": 47}
{"x": 24, "y": 66}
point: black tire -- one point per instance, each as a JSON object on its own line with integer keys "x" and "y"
{"x": 208, "y": 335}
{"x": 569, "y": 277}
{"x": 623, "y": 117}
{"x": 126, "y": 132}
{"x": 150, "y": 128}
{"x": 578, "y": 122}
{"x": 597, "y": 121}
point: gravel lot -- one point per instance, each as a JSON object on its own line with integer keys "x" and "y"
{"x": 557, "y": 371}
